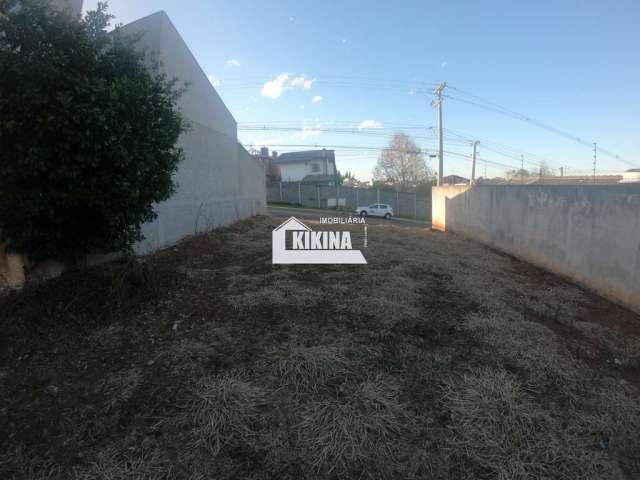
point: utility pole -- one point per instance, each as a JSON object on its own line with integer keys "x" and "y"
{"x": 522, "y": 166}
{"x": 438, "y": 104}
{"x": 474, "y": 147}
{"x": 595, "y": 160}
{"x": 562, "y": 171}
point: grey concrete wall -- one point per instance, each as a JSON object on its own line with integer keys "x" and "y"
{"x": 587, "y": 233}
{"x": 218, "y": 182}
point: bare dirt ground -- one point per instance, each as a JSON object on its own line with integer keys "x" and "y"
{"x": 439, "y": 359}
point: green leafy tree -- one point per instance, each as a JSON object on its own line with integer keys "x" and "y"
{"x": 88, "y": 131}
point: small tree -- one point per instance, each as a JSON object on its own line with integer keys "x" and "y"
{"x": 350, "y": 180}
{"x": 88, "y": 133}
{"x": 402, "y": 164}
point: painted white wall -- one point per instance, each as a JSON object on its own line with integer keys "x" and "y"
{"x": 292, "y": 172}
{"x": 295, "y": 172}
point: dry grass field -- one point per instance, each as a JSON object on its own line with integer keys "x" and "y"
{"x": 440, "y": 359}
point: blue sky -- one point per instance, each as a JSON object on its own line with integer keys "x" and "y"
{"x": 574, "y": 65}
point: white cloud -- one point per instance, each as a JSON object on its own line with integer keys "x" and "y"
{"x": 369, "y": 124}
{"x": 412, "y": 92}
{"x": 274, "y": 88}
{"x": 344, "y": 40}
{"x": 302, "y": 106}
{"x": 232, "y": 62}
{"x": 316, "y": 99}
{"x": 297, "y": 81}
{"x": 302, "y": 82}
{"x": 443, "y": 64}
{"x": 214, "y": 80}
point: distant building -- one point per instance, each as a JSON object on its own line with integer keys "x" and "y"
{"x": 311, "y": 166}
{"x": 455, "y": 180}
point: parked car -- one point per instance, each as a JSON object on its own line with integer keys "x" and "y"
{"x": 376, "y": 210}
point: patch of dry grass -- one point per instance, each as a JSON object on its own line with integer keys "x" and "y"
{"x": 119, "y": 387}
{"x": 529, "y": 345}
{"x": 439, "y": 359}
{"x": 356, "y": 433}
{"x": 307, "y": 369}
{"x": 223, "y": 410}
{"x": 186, "y": 355}
{"x": 127, "y": 464}
{"x": 624, "y": 349}
{"x": 281, "y": 295}
{"x": 497, "y": 428}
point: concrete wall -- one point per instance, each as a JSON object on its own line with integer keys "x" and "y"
{"x": 218, "y": 182}
{"x": 587, "y": 233}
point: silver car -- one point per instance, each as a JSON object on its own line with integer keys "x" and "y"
{"x": 376, "y": 210}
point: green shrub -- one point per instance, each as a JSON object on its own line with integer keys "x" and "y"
{"x": 88, "y": 133}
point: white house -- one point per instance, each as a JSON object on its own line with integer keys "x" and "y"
{"x": 313, "y": 166}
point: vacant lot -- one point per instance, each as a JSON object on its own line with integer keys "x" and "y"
{"x": 440, "y": 359}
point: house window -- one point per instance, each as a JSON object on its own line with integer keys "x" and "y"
{"x": 315, "y": 168}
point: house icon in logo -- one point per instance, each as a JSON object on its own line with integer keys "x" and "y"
{"x": 312, "y": 247}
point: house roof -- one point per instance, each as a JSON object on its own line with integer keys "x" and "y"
{"x": 454, "y": 178}
{"x": 305, "y": 156}
{"x": 319, "y": 178}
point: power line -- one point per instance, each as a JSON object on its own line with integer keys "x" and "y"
{"x": 366, "y": 148}
{"x": 494, "y": 107}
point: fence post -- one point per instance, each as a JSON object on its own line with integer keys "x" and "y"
{"x": 280, "y": 191}
{"x": 299, "y": 194}
{"x": 415, "y": 205}
{"x": 377, "y": 195}
{"x": 397, "y": 203}
{"x": 318, "y": 191}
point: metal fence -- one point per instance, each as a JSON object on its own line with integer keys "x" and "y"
{"x": 404, "y": 204}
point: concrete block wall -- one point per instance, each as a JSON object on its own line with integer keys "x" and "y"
{"x": 218, "y": 181}
{"x": 588, "y": 233}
